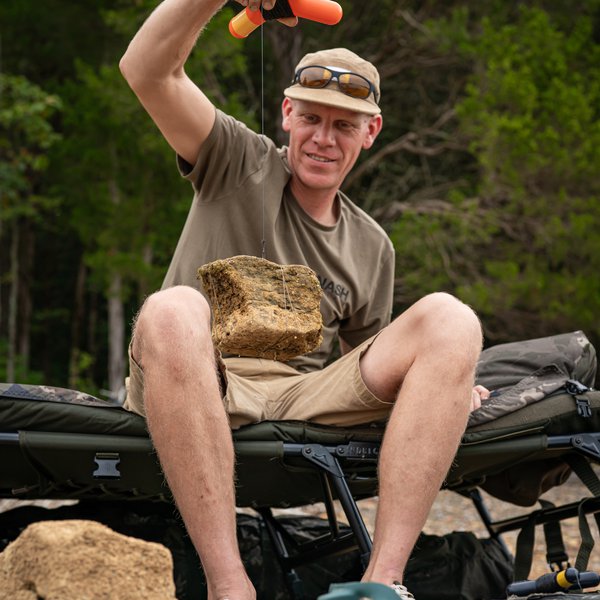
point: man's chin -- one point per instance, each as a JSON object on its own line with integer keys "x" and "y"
{"x": 321, "y": 181}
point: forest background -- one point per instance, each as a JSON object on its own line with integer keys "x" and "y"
{"x": 486, "y": 174}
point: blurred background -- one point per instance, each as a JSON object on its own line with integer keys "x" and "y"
{"x": 486, "y": 174}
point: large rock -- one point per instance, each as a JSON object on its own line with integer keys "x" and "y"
{"x": 262, "y": 309}
{"x": 84, "y": 560}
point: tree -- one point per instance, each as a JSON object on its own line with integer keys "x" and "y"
{"x": 26, "y": 134}
{"x": 522, "y": 244}
{"x": 486, "y": 158}
{"x": 122, "y": 193}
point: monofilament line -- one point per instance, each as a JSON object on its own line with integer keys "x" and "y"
{"x": 262, "y": 129}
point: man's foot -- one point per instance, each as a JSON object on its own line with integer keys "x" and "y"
{"x": 402, "y": 592}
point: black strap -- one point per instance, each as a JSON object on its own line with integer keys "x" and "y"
{"x": 587, "y": 540}
{"x": 556, "y": 555}
{"x": 555, "y": 547}
{"x": 524, "y": 549}
{"x": 584, "y": 471}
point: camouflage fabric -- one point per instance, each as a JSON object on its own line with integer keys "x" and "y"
{"x": 522, "y": 373}
{"x": 51, "y": 394}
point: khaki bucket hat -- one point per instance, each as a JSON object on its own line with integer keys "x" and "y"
{"x": 338, "y": 59}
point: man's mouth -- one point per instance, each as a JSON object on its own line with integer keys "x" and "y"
{"x": 319, "y": 158}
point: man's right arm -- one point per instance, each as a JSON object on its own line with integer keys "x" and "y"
{"x": 153, "y": 65}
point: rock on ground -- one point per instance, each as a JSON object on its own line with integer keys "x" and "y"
{"x": 84, "y": 560}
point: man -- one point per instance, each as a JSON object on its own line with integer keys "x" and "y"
{"x": 417, "y": 370}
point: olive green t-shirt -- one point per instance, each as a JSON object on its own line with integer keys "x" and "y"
{"x": 240, "y": 181}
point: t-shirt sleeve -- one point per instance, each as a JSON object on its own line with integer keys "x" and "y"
{"x": 377, "y": 312}
{"x": 230, "y": 155}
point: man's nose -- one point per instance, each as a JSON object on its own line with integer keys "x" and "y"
{"x": 324, "y": 134}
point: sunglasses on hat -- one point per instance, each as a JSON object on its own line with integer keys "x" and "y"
{"x": 351, "y": 84}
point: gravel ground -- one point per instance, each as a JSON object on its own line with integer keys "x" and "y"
{"x": 452, "y": 512}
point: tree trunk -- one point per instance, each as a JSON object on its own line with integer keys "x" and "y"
{"x": 13, "y": 303}
{"x": 147, "y": 257}
{"x": 116, "y": 313}
{"x": 26, "y": 251}
{"x": 2, "y": 262}
{"x": 116, "y": 337}
{"x": 77, "y": 326}
{"x": 92, "y": 326}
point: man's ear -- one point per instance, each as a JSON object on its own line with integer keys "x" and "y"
{"x": 286, "y": 111}
{"x": 373, "y": 128}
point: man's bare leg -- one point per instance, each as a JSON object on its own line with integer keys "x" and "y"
{"x": 190, "y": 430}
{"x": 426, "y": 359}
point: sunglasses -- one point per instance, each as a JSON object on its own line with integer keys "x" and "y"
{"x": 351, "y": 84}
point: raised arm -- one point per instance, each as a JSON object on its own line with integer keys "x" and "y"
{"x": 153, "y": 65}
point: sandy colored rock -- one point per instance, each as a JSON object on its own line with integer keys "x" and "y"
{"x": 262, "y": 309}
{"x": 84, "y": 560}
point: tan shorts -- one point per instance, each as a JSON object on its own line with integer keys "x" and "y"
{"x": 257, "y": 390}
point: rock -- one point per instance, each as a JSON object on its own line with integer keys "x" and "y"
{"x": 262, "y": 309}
{"x": 84, "y": 560}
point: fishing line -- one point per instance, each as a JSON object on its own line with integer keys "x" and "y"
{"x": 262, "y": 129}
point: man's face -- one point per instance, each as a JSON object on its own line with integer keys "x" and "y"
{"x": 325, "y": 142}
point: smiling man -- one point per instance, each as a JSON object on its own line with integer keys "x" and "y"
{"x": 416, "y": 371}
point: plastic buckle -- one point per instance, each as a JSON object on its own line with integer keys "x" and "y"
{"x": 107, "y": 463}
{"x": 583, "y": 407}
{"x": 558, "y": 562}
{"x": 574, "y": 387}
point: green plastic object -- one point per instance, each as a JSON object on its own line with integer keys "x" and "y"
{"x": 356, "y": 591}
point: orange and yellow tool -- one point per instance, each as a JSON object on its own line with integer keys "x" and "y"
{"x": 327, "y": 12}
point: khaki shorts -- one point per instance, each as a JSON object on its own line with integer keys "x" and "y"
{"x": 257, "y": 390}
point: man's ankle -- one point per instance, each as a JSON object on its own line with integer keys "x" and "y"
{"x": 234, "y": 588}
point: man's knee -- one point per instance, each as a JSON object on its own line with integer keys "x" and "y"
{"x": 445, "y": 319}
{"x": 169, "y": 317}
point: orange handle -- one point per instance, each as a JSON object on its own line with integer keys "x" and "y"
{"x": 327, "y": 12}
{"x": 321, "y": 11}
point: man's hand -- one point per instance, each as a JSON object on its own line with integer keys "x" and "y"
{"x": 479, "y": 393}
{"x": 268, "y": 5}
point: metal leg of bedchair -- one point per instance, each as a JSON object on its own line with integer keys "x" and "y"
{"x": 485, "y": 516}
{"x": 292, "y": 579}
{"x": 303, "y": 553}
{"x": 329, "y": 506}
{"x": 355, "y": 520}
{"x": 332, "y": 476}
{"x": 319, "y": 455}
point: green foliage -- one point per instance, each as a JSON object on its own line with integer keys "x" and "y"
{"x": 219, "y": 66}
{"x": 26, "y": 135}
{"x": 532, "y": 112}
{"x": 529, "y": 260}
{"x": 22, "y": 374}
{"x": 485, "y": 173}
{"x": 84, "y": 363}
{"x": 117, "y": 178}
